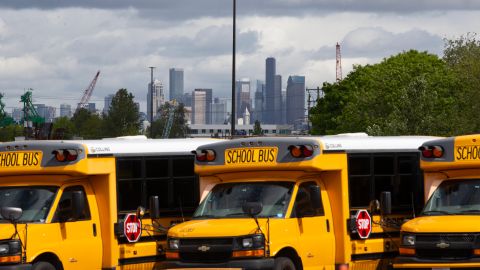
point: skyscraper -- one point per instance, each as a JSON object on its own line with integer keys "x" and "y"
{"x": 176, "y": 84}
{"x": 158, "y": 99}
{"x": 242, "y": 97}
{"x": 107, "y": 103}
{"x": 295, "y": 99}
{"x": 259, "y": 101}
{"x": 201, "y": 106}
{"x": 277, "y": 91}
{"x": 65, "y": 110}
{"x": 219, "y": 112}
{"x": 270, "y": 71}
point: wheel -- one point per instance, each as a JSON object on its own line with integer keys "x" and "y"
{"x": 283, "y": 263}
{"x": 43, "y": 266}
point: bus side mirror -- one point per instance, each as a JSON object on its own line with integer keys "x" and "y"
{"x": 315, "y": 197}
{"x": 78, "y": 204}
{"x": 252, "y": 208}
{"x": 154, "y": 207}
{"x": 11, "y": 214}
{"x": 385, "y": 203}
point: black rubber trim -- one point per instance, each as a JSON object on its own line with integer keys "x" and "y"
{"x": 374, "y": 256}
{"x": 138, "y": 260}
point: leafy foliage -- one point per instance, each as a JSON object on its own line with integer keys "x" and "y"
{"x": 123, "y": 116}
{"x": 257, "y": 128}
{"x": 407, "y": 94}
{"x": 179, "y": 127}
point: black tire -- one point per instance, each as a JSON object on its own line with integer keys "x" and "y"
{"x": 43, "y": 266}
{"x": 283, "y": 263}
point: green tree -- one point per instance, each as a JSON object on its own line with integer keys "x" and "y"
{"x": 87, "y": 125}
{"x": 462, "y": 56}
{"x": 123, "y": 117}
{"x": 63, "y": 128}
{"x": 406, "y": 94}
{"x": 257, "y": 128}
{"x": 179, "y": 127}
{"x": 8, "y": 133}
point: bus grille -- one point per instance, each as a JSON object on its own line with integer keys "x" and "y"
{"x": 450, "y": 254}
{"x": 208, "y": 250}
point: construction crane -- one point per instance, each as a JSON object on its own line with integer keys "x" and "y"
{"x": 5, "y": 120}
{"x": 87, "y": 93}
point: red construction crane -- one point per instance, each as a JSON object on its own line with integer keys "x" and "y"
{"x": 88, "y": 93}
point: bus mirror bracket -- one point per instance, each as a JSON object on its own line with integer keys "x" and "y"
{"x": 385, "y": 203}
{"x": 252, "y": 208}
{"x": 11, "y": 214}
{"x": 154, "y": 207}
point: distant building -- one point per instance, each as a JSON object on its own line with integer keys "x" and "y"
{"x": 158, "y": 99}
{"x": 46, "y": 112}
{"x": 91, "y": 107}
{"x": 200, "y": 130}
{"x": 201, "y": 106}
{"x": 270, "y": 72}
{"x": 259, "y": 101}
{"x": 176, "y": 84}
{"x": 219, "y": 112}
{"x": 107, "y": 103}
{"x": 17, "y": 114}
{"x": 242, "y": 97}
{"x": 66, "y": 110}
{"x": 295, "y": 100}
{"x": 187, "y": 99}
{"x": 278, "y": 112}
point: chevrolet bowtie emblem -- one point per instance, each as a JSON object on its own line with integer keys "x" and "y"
{"x": 204, "y": 248}
{"x": 443, "y": 245}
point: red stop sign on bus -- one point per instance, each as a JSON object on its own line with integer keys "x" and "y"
{"x": 363, "y": 223}
{"x": 132, "y": 227}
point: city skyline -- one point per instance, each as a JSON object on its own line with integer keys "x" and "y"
{"x": 56, "y": 47}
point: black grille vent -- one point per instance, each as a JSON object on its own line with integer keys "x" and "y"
{"x": 447, "y": 254}
{"x": 468, "y": 238}
{"x": 211, "y": 250}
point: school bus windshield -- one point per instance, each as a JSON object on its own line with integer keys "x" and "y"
{"x": 455, "y": 198}
{"x": 226, "y": 200}
{"x": 35, "y": 201}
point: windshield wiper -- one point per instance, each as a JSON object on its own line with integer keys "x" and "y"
{"x": 204, "y": 216}
{"x": 236, "y": 214}
{"x": 470, "y": 211}
{"x": 433, "y": 212}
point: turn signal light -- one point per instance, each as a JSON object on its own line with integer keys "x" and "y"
{"x": 299, "y": 151}
{"x": 63, "y": 155}
{"x": 406, "y": 251}
{"x": 206, "y": 155}
{"x": 248, "y": 253}
{"x": 435, "y": 151}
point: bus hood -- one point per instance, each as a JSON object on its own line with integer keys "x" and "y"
{"x": 443, "y": 224}
{"x": 216, "y": 228}
{"x": 7, "y": 230}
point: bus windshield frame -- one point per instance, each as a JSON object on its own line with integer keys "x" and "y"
{"x": 35, "y": 201}
{"x": 225, "y": 200}
{"x": 454, "y": 197}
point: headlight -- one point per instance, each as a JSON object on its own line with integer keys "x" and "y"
{"x": 408, "y": 240}
{"x": 10, "y": 248}
{"x": 256, "y": 241}
{"x": 173, "y": 244}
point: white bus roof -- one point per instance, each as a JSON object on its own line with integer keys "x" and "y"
{"x": 349, "y": 142}
{"x": 135, "y": 145}
{"x": 126, "y": 145}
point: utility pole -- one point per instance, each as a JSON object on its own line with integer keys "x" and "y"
{"x": 151, "y": 101}
{"x": 232, "y": 116}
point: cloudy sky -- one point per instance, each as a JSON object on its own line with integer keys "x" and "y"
{"x": 56, "y": 46}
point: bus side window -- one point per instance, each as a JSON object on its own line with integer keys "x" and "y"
{"x": 64, "y": 212}
{"x": 304, "y": 206}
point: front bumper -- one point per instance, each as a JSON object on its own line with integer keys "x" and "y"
{"x": 250, "y": 264}
{"x": 16, "y": 267}
{"x": 405, "y": 262}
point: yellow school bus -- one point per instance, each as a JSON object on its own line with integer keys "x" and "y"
{"x": 447, "y": 233}
{"x": 299, "y": 203}
{"x": 63, "y": 204}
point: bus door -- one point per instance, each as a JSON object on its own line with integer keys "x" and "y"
{"x": 315, "y": 225}
{"x": 81, "y": 243}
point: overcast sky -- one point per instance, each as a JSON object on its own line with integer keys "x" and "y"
{"x": 56, "y": 46}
